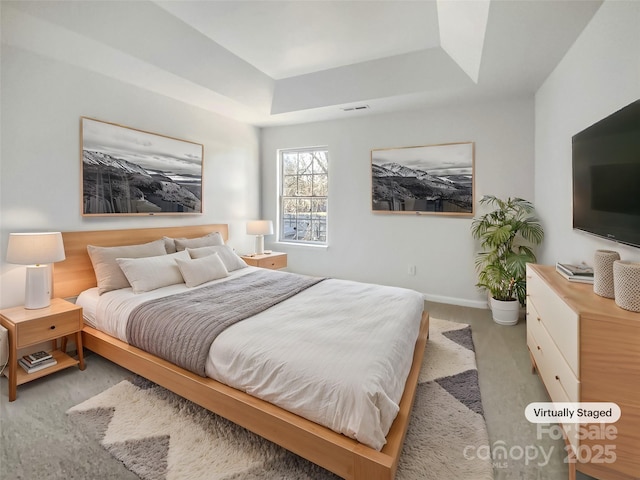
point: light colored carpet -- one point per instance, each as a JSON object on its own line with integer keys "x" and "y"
{"x": 159, "y": 435}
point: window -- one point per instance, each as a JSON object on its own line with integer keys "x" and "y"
{"x": 304, "y": 188}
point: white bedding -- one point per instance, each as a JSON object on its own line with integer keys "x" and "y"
{"x": 337, "y": 353}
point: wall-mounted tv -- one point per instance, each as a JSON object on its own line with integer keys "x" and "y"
{"x": 606, "y": 177}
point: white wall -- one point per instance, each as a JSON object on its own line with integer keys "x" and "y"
{"x": 42, "y": 102}
{"x": 379, "y": 247}
{"x": 599, "y": 75}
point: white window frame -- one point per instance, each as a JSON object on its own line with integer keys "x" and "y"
{"x": 283, "y": 237}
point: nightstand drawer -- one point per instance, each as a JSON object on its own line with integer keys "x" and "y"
{"x": 273, "y": 260}
{"x": 274, "y": 263}
{"x": 48, "y": 328}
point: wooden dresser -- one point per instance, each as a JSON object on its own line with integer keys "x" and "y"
{"x": 587, "y": 349}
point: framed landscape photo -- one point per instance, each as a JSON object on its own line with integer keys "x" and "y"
{"x": 431, "y": 179}
{"x": 126, "y": 171}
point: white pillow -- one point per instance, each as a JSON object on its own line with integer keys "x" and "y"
{"x": 146, "y": 274}
{"x": 108, "y": 273}
{"x": 208, "y": 240}
{"x": 200, "y": 270}
{"x": 230, "y": 258}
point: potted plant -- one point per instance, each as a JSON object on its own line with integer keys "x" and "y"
{"x": 506, "y": 236}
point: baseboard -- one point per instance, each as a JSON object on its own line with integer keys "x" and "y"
{"x": 456, "y": 301}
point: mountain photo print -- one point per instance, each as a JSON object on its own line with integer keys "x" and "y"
{"x": 126, "y": 171}
{"x": 432, "y": 179}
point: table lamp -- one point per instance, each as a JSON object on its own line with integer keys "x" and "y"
{"x": 260, "y": 228}
{"x": 37, "y": 251}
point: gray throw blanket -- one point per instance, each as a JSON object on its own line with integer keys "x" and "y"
{"x": 181, "y": 328}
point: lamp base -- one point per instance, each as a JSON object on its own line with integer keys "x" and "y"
{"x": 259, "y": 244}
{"x": 37, "y": 292}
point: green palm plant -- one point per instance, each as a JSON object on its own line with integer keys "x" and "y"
{"x": 506, "y": 236}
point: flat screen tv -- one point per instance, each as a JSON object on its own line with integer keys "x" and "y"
{"x": 606, "y": 177}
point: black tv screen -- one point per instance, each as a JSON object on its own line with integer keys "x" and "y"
{"x": 606, "y": 177}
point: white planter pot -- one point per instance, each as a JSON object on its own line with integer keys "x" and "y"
{"x": 505, "y": 313}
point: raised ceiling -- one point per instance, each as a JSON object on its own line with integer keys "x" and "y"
{"x": 281, "y": 62}
{"x": 286, "y": 39}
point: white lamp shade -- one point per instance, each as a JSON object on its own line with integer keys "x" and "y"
{"x": 260, "y": 227}
{"x": 35, "y": 248}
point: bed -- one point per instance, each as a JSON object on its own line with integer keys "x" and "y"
{"x": 346, "y": 457}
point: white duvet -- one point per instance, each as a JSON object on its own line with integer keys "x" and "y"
{"x": 337, "y": 353}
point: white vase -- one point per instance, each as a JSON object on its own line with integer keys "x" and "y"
{"x": 626, "y": 279}
{"x": 603, "y": 272}
{"x": 505, "y": 313}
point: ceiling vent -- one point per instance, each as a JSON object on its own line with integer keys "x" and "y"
{"x": 358, "y": 107}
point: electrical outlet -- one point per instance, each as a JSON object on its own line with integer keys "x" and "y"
{"x": 411, "y": 270}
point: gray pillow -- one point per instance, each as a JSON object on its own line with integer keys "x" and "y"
{"x": 108, "y": 273}
{"x": 209, "y": 240}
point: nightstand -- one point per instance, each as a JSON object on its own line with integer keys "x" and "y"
{"x": 273, "y": 260}
{"x": 32, "y": 327}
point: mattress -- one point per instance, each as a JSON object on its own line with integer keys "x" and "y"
{"x": 337, "y": 353}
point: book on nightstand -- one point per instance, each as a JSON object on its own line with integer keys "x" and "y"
{"x": 37, "y": 357}
{"x": 39, "y": 366}
{"x": 32, "y": 363}
{"x": 575, "y": 273}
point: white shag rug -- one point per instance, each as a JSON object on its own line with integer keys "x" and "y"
{"x": 161, "y": 436}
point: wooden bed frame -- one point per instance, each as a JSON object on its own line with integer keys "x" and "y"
{"x": 341, "y": 455}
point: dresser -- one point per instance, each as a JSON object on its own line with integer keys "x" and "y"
{"x": 587, "y": 349}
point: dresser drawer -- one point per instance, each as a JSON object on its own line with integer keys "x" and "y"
{"x": 559, "y": 320}
{"x": 561, "y": 383}
{"x": 563, "y": 388}
{"x": 556, "y": 385}
{"x": 48, "y": 328}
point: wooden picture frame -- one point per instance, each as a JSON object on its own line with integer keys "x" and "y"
{"x": 126, "y": 171}
{"x": 430, "y": 179}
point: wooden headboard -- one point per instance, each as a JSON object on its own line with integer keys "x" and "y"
{"x": 75, "y": 273}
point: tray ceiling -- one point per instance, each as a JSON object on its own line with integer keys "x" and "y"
{"x": 283, "y": 62}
